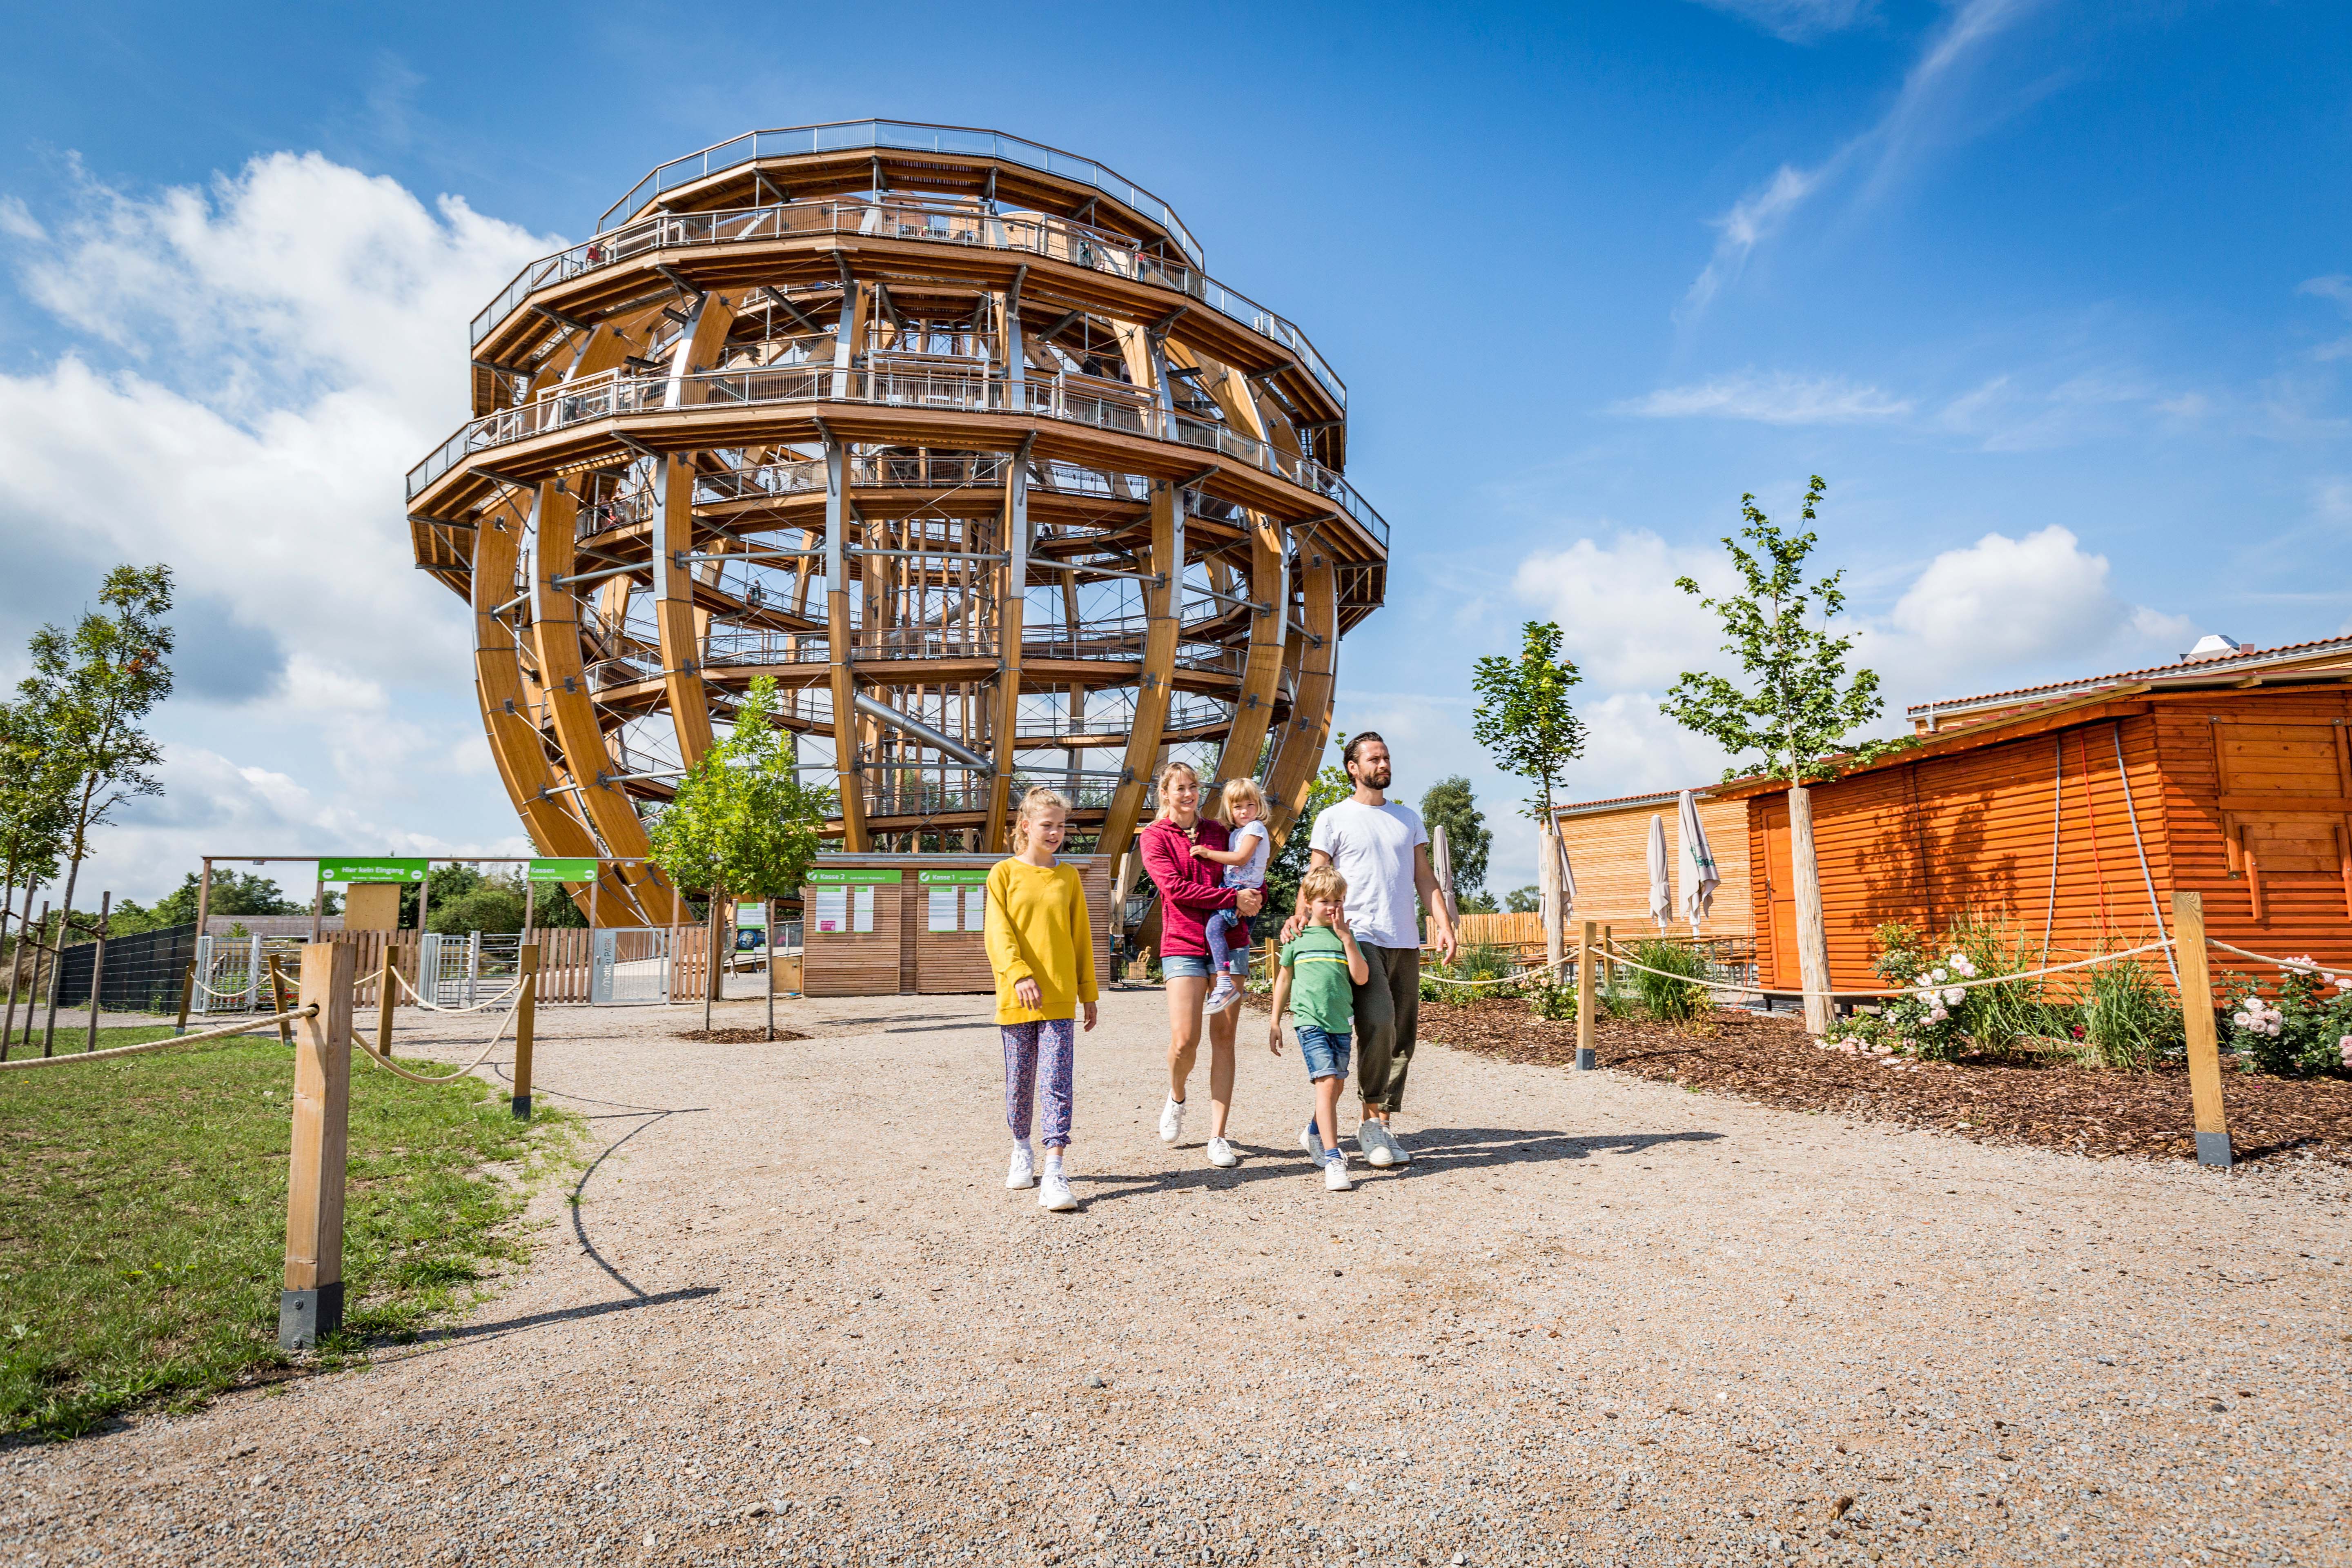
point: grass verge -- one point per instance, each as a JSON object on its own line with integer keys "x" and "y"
{"x": 142, "y": 1221}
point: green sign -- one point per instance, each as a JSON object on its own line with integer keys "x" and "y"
{"x": 576, "y": 868}
{"x": 955, "y": 876}
{"x": 753, "y": 915}
{"x": 834, "y": 876}
{"x": 371, "y": 869}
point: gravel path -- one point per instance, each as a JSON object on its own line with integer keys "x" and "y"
{"x": 796, "y": 1317}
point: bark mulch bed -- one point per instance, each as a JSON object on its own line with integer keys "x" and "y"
{"x": 2006, "y": 1100}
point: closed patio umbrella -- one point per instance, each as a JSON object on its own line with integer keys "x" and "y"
{"x": 1662, "y": 894}
{"x": 1699, "y": 876}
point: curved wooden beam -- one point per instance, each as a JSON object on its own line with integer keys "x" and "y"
{"x": 1162, "y": 601}
{"x": 555, "y": 614}
{"x": 1304, "y": 738}
{"x": 678, "y": 628}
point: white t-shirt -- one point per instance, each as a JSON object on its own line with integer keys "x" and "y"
{"x": 1372, "y": 847}
{"x": 1250, "y": 873}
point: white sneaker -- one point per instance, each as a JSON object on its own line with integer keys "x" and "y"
{"x": 1054, "y": 1193}
{"x": 1371, "y": 1141}
{"x": 1397, "y": 1151}
{"x": 1221, "y": 1155}
{"x": 1223, "y": 994}
{"x": 1312, "y": 1142}
{"x": 1336, "y": 1178}
{"x": 1023, "y": 1170}
{"x": 1172, "y": 1121}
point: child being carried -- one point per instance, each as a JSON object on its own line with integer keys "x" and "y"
{"x": 1241, "y": 805}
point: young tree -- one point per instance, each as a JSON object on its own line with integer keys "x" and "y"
{"x": 1524, "y": 716}
{"x": 743, "y": 825}
{"x": 1798, "y": 705}
{"x": 91, "y": 689}
{"x": 32, "y": 834}
{"x": 1525, "y": 719}
{"x": 1523, "y": 901}
{"x": 1450, "y": 805}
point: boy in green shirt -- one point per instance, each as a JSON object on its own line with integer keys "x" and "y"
{"x": 1320, "y": 967}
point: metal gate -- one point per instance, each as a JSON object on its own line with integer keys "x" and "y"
{"x": 458, "y": 971}
{"x": 629, "y": 965}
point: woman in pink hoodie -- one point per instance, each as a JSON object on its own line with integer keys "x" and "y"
{"x": 1191, "y": 890}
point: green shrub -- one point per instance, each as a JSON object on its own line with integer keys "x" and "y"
{"x": 2125, "y": 1018}
{"x": 1667, "y": 999}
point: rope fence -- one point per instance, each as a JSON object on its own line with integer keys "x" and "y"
{"x": 513, "y": 990}
{"x": 242, "y": 1026}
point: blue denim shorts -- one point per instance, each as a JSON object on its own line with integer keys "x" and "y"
{"x": 1184, "y": 966}
{"x": 1326, "y": 1054}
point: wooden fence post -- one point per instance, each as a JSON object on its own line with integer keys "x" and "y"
{"x": 525, "y": 1015}
{"x": 97, "y": 968}
{"x": 312, "y": 1304}
{"x": 277, "y": 1003}
{"x": 2197, "y": 1016}
{"x": 187, "y": 997}
{"x": 387, "y": 988}
{"x": 1588, "y": 1002}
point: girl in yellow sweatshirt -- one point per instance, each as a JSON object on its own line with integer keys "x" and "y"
{"x": 1044, "y": 957}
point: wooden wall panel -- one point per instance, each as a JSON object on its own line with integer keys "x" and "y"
{"x": 1609, "y": 853}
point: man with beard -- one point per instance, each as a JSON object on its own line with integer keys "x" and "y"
{"x": 1382, "y": 851}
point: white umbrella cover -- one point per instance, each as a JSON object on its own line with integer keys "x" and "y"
{"x": 1661, "y": 895}
{"x": 1699, "y": 876}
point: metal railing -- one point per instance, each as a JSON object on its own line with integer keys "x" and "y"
{"x": 1058, "y": 239}
{"x": 978, "y": 391}
{"x": 902, "y": 136}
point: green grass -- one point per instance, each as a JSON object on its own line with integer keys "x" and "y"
{"x": 70, "y": 1039}
{"x": 1671, "y": 1001}
{"x": 142, "y": 1221}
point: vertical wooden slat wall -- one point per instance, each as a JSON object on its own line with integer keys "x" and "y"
{"x": 1609, "y": 850}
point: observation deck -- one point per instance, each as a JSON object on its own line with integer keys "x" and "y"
{"x": 952, "y": 435}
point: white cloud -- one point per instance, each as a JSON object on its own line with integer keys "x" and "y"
{"x": 1798, "y": 21}
{"x": 257, "y": 363}
{"x": 1885, "y": 148}
{"x": 1777, "y": 399}
{"x": 2005, "y": 603}
{"x": 1627, "y": 625}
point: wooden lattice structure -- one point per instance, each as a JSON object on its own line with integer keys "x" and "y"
{"x": 952, "y": 436}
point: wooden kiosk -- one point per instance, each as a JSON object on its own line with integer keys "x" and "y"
{"x": 904, "y": 925}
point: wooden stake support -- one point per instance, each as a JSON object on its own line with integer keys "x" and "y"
{"x": 387, "y": 994}
{"x": 187, "y": 998}
{"x": 2196, "y": 1015}
{"x": 312, "y": 1304}
{"x": 1588, "y": 1000}
{"x": 527, "y": 972}
{"x": 277, "y": 1002}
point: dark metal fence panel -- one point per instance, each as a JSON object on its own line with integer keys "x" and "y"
{"x": 142, "y": 973}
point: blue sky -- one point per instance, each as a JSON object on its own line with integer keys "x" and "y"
{"x": 2057, "y": 296}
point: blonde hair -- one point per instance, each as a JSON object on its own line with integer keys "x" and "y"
{"x": 1240, "y": 789}
{"x": 1038, "y": 800}
{"x": 1323, "y": 882}
{"x": 1159, "y": 783}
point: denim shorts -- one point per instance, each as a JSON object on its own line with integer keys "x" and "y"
{"x": 1184, "y": 966}
{"x": 1326, "y": 1054}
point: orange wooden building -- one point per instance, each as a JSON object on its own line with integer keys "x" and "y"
{"x": 2077, "y": 809}
{"x": 1608, "y": 845}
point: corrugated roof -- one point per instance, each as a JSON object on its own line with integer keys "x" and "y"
{"x": 2239, "y": 662}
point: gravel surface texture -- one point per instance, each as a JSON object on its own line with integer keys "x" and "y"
{"x": 796, "y": 1317}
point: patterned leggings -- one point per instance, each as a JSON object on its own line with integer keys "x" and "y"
{"x": 1055, "y": 1040}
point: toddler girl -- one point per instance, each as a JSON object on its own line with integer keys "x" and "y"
{"x": 1044, "y": 958}
{"x": 1242, "y": 807}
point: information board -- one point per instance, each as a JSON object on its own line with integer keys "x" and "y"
{"x": 371, "y": 868}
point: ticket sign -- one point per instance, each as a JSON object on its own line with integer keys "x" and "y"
{"x": 953, "y": 876}
{"x": 371, "y": 869}
{"x": 563, "y": 868}
{"x": 838, "y": 876}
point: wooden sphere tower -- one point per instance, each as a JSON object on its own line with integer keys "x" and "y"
{"x": 951, "y": 434}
